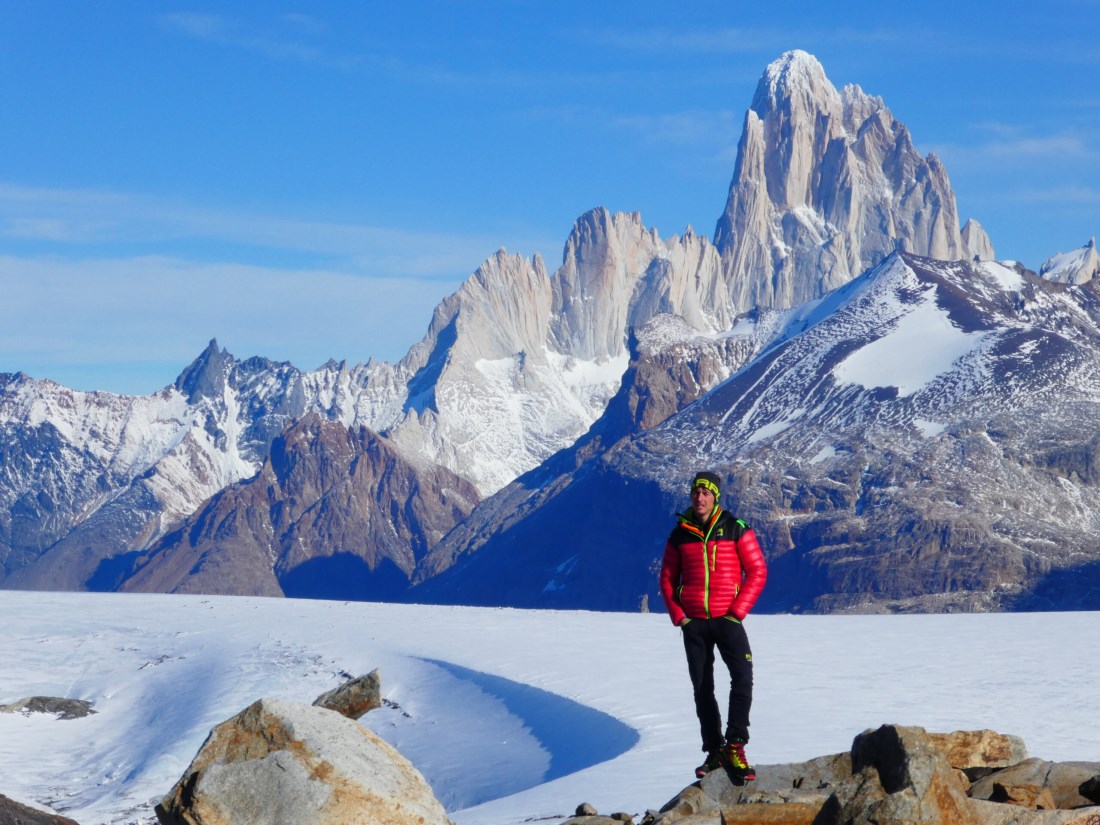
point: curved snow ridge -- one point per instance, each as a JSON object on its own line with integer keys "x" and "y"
{"x": 575, "y": 736}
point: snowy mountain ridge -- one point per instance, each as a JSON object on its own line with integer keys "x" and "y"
{"x": 922, "y": 438}
{"x": 522, "y": 366}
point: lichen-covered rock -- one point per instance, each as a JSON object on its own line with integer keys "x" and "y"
{"x": 967, "y": 749}
{"x": 285, "y": 763}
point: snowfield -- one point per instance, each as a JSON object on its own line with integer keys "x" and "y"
{"x": 511, "y": 715}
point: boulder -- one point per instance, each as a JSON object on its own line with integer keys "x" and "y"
{"x": 970, "y": 749}
{"x": 898, "y": 775}
{"x": 286, "y": 763}
{"x": 997, "y": 813}
{"x": 15, "y": 813}
{"x": 692, "y": 801}
{"x": 1064, "y": 779}
{"x": 354, "y": 698}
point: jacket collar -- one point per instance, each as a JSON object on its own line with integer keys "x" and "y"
{"x": 690, "y": 523}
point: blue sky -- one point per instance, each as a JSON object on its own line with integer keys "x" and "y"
{"x": 307, "y": 181}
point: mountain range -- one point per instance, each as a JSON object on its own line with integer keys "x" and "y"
{"x": 907, "y": 423}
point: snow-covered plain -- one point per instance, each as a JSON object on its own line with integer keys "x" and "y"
{"x": 511, "y": 715}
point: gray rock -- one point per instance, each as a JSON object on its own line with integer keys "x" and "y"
{"x": 354, "y": 698}
{"x": 62, "y": 708}
{"x": 1064, "y": 779}
{"x": 284, "y": 763}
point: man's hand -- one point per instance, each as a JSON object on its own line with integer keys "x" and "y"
{"x": 684, "y": 621}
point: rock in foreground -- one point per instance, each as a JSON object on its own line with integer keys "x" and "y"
{"x": 15, "y": 813}
{"x": 285, "y": 763}
{"x": 897, "y": 775}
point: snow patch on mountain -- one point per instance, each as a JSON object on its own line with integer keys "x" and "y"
{"x": 924, "y": 341}
{"x": 1007, "y": 277}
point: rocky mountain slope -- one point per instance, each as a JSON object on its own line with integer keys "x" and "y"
{"x": 923, "y": 438}
{"x": 524, "y": 378}
{"x": 332, "y": 513}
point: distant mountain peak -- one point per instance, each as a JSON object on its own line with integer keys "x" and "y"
{"x": 826, "y": 185}
{"x": 205, "y": 377}
{"x": 792, "y": 73}
{"x": 1077, "y": 266}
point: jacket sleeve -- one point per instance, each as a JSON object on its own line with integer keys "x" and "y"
{"x": 670, "y": 579}
{"x": 756, "y": 573}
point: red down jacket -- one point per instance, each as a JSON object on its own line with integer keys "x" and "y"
{"x": 712, "y": 570}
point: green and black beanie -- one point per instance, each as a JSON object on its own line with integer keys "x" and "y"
{"x": 708, "y": 481}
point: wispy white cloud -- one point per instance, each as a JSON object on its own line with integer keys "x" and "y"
{"x": 286, "y": 37}
{"x": 72, "y": 219}
{"x": 133, "y": 313}
{"x": 81, "y": 304}
{"x": 1009, "y": 145}
{"x": 737, "y": 41}
{"x": 697, "y": 126}
{"x": 1061, "y": 194}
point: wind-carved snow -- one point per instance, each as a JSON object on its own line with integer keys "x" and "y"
{"x": 925, "y": 341}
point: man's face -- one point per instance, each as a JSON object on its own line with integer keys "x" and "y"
{"x": 702, "y": 501}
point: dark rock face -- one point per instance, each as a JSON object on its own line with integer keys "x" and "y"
{"x": 333, "y": 513}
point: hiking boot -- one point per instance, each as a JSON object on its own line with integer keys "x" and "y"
{"x": 733, "y": 757}
{"x": 712, "y": 763}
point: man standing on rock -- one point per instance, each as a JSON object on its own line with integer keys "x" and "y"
{"x": 711, "y": 576}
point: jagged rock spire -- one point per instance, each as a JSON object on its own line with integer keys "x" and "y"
{"x": 827, "y": 184}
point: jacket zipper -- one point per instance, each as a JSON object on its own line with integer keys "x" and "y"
{"x": 709, "y": 563}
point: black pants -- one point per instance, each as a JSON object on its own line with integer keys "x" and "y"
{"x": 701, "y": 637}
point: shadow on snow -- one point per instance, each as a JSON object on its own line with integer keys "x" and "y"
{"x": 575, "y": 735}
